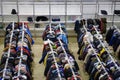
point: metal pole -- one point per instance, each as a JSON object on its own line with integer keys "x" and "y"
{"x": 34, "y": 17}
{"x": 18, "y": 11}
{"x": 50, "y": 20}
{"x": 114, "y": 6}
{"x": 49, "y": 12}
{"x": 33, "y": 11}
{"x": 81, "y": 9}
{"x": 65, "y": 13}
{"x": 97, "y": 9}
{"x": 2, "y": 11}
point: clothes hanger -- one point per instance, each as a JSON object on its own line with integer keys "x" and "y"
{"x": 8, "y": 55}
{"x": 95, "y": 51}
{"x": 61, "y": 31}
{"x": 21, "y": 54}
{"x": 50, "y": 28}
{"x": 49, "y": 42}
{"x": 106, "y": 49}
{"x": 51, "y": 31}
{"x": 67, "y": 59}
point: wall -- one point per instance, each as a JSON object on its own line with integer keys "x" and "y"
{"x": 74, "y": 10}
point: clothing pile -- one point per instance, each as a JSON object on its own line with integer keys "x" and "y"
{"x": 98, "y": 61}
{"x": 59, "y": 62}
{"x": 113, "y": 39}
{"x": 17, "y": 57}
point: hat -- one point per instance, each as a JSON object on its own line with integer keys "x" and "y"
{"x": 13, "y": 11}
{"x": 30, "y": 19}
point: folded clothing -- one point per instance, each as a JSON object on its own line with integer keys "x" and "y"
{"x": 56, "y": 19}
{"x": 117, "y": 12}
{"x": 41, "y": 18}
{"x": 104, "y": 12}
{"x": 30, "y": 19}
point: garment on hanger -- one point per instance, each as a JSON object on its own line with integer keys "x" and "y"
{"x": 15, "y": 41}
{"x": 113, "y": 38}
{"x": 98, "y": 62}
{"x": 56, "y": 55}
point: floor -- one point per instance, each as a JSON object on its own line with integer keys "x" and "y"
{"x": 38, "y": 69}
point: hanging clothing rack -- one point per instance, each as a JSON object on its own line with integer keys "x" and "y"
{"x": 54, "y": 59}
{"x": 106, "y": 49}
{"x": 8, "y": 55}
{"x": 8, "y": 51}
{"x": 21, "y": 54}
{"x": 67, "y": 59}
{"x": 95, "y": 51}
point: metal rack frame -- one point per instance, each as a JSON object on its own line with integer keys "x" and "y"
{"x": 66, "y": 3}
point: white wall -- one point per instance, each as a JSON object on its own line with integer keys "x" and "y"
{"x": 27, "y": 9}
{"x": 106, "y": 6}
{"x": 41, "y": 9}
{"x": 7, "y": 7}
{"x": 73, "y": 8}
